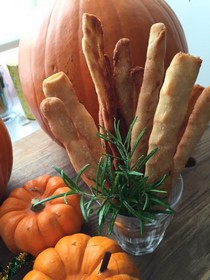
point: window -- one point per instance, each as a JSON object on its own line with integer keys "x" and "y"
{"x": 14, "y": 14}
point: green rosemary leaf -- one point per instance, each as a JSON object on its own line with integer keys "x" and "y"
{"x": 146, "y": 158}
{"x": 97, "y": 180}
{"x": 159, "y": 201}
{"x": 137, "y": 141}
{"x": 159, "y": 182}
{"x": 82, "y": 170}
{"x": 141, "y": 223}
{"x": 88, "y": 206}
{"x": 158, "y": 191}
{"x": 133, "y": 212}
{"x": 112, "y": 220}
{"x": 128, "y": 136}
{"x": 146, "y": 203}
{"x": 170, "y": 211}
{"x": 110, "y": 170}
{"x": 117, "y": 130}
{"x": 53, "y": 197}
{"x": 82, "y": 207}
{"x": 65, "y": 198}
{"x": 102, "y": 214}
{"x": 68, "y": 182}
{"x": 135, "y": 173}
{"x": 106, "y": 136}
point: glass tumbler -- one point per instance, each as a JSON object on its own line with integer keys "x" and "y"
{"x": 127, "y": 229}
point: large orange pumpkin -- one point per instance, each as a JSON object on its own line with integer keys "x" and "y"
{"x": 79, "y": 257}
{"x": 53, "y": 44}
{"x": 6, "y": 157}
{"x": 28, "y": 228}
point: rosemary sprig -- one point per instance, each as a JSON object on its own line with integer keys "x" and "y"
{"x": 121, "y": 190}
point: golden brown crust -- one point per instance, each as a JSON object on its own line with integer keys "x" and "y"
{"x": 93, "y": 49}
{"x": 196, "y": 92}
{"x": 149, "y": 93}
{"x": 125, "y": 81}
{"x": 196, "y": 126}
{"x": 100, "y": 70}
{"x": 64, "y": 130}
{"x": 172, "y": 106}
{"x": 59, "y": 85}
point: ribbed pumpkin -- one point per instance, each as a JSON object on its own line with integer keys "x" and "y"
{"x": 6, "y": 157}
{"x": 53, "y": 43}
{"x": 79, "y": 256}
{"x": 29, "y": 228}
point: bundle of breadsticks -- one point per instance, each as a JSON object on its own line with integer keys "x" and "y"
{"x": 169, "y": 105}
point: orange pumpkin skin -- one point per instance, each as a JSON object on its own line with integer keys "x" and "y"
{"x": 55, "y": 43}
{"x": 6, "y": 157}
{"x": 24, "y": 229}
{"x": 79, "y": 256}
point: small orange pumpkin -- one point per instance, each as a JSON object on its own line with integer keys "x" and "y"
{"x": 6, "y": 157}
{"x": 54, "y": 43}
{"x": 79, "y": 256}
{"x": 29, "y": 228}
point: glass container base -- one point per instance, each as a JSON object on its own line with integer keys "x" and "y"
{"x": 127, "y": 230}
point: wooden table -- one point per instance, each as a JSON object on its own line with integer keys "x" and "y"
{"x": 184, "y": 253}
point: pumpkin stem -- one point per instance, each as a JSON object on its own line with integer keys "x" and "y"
{"x": 105, "y": 261}
{"x": 36, "y": 206}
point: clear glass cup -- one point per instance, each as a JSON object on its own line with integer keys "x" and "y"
{"x": 127, "y": 229}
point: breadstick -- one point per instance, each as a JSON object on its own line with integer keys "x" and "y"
{"x": 93, "y": 49}
{"x": 123, "y": 81}
{"x": 149, "y": 93}
{"x": 196, "y": 92}
{"x": 137, "y": 77}
{"x": 172, "y": 106}
{"x": 196, "y": 126}
{"x": 59, "y": 85}
{"x": 64, "y": 130}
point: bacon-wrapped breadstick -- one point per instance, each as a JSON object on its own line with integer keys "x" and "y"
{"x": 149, "y": 93}
{"x": 172, "y": 107}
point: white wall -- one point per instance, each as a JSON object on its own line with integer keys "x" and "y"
{"x": 194, "y": 16}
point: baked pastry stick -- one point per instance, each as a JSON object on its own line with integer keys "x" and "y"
{"x": 125, "y": 80}
{"x": 62, "y": 127}
{"x": 99, "y": 68}
{"x": 59, "y": 85}
{"x": 149, "y": 93}
{"x": 172, "y": 107}
{"x": 198, "y": 122}
{"x": 196, "y": 92}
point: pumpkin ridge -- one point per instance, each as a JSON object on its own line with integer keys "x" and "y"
{"x": 97, "y": 242}
{"x": 46, "y": 258}
{"x": 50, "y": 219}
{"x": 28, "y": 229}
{"x": 72, "y": 241}
{"x": 10, "y": 239}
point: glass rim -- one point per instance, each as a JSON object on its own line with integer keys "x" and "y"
{"x": 180, "y": 185}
